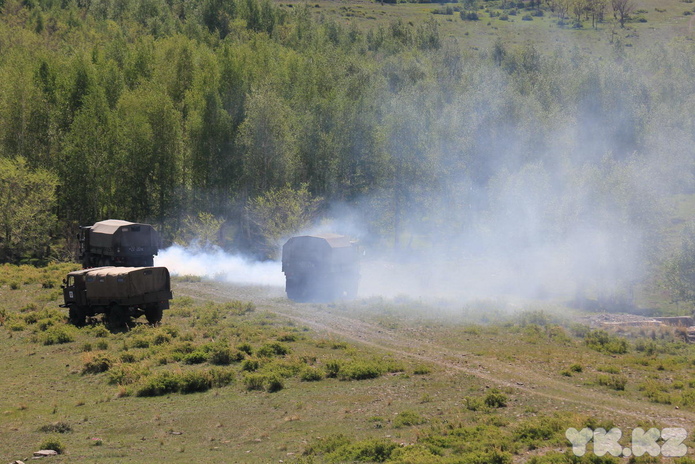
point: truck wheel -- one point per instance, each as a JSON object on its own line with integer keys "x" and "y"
{"x": 76, "y": 316}
{"x": 153, "y": 314}
{"x": 117, "y": 316}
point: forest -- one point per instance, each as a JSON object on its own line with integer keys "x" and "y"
{"x": 257, "y": 119}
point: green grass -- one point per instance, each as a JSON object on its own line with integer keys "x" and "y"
{"x": 255, "y": 386}
{"x": 659, "y": 21}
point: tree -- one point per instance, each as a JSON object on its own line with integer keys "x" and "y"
{"x": 622, "y": 10}
{"x": 679, "y": 270}
{"x": 269, "y": 142}
{"x": 27, "y": 201}
{"x": 278, "y": 213}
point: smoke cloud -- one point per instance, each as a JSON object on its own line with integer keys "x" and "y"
{"x": 218, "y": 265}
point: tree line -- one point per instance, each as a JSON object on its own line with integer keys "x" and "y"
{"x": 246, "y": 111}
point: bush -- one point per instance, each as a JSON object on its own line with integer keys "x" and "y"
{"x": 223, "y": 356}
{"x": 496, "y": 399}
{"x": 421, "y": 370}
{"x": 602, "y": 341}
{"x": 97, "y": 363}
{"x": 57, "y": 335}
{"x": 311, "y": 374}
{"x": 527, "y": 17}
{"x": 160, "y": 384}
{"x": 616, "y": 382}
{"x": 220, "y": 377}
{"x": 245, "y": 348}
{"x": 360, "y": 370}
{"x": 54, "y": 444}
{"x": 126, "y": 374}
{"x": 196, "y": 357}
{"x": 333, "y": 368}
{"x": 271, "y": 349}
{"x": 192, "y": 382}
{"x": 275, "y": 383}
{"x": 56, "y": 427}
{"x": 250, "y": 365}
{"x": 407, "y": 419}
{"x": 473, "y": 404}
{"x": 254, "y": 381}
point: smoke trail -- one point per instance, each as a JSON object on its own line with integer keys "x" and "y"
{"x": 218, "y": 265}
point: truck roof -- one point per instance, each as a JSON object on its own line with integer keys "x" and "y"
{"x": 110, "y": 226}
{"x": 110, "y": 270}
{"x": 334, "y": 240}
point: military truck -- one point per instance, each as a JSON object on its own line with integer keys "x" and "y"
{"x": 118, "y": 243}
{"x": 323, "y": 267}
{"x": 120, "y": 293}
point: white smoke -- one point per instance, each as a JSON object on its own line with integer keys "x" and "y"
{"x": 219, "y": 265}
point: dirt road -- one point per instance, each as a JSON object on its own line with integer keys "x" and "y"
{"x": 410, "y": 342}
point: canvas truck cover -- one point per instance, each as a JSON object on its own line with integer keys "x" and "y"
{"x": 115, "y": 232}
{"x": 332, "y": 252}
{"x": 125, "y": 282}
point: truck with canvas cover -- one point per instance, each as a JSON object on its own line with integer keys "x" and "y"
{"x": 323, "y": 267}
{"x": 118, "y": 243}
{"x": 120, "y": 293}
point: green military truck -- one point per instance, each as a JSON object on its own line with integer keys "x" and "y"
{"x": 323, "y": 267}
{"x": 120, "y": 293}
{"x": 118, "y": 243}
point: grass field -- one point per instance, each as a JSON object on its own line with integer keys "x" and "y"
{"x": 240, "y": 374}
{"x": 653, "y": 22}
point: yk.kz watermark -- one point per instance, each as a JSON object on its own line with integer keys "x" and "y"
{"x": 665, "y": 442}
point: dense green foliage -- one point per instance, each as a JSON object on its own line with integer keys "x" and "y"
{"x": 262, "y": 116}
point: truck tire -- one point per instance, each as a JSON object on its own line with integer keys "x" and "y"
{"x": 76, "y": 315}
{"x": 153, "y": 314}
{"x": 117, "y": 316}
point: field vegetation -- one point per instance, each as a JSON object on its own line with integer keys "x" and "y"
{"x": 228, "y": 380}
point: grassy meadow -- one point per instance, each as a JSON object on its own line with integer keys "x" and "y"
{"x": 651, "y": 22}
{"x": 266, "y": 380}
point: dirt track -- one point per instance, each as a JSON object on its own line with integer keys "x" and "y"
{"x": 325, "y": 319}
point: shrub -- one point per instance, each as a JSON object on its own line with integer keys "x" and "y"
{"x": 311, "y": 374}
{"x": 160, "y": 384}
{"x": 495, "y": 399}
{"x": 375, "y": 450}
{"x": 161, "y": 338}
{"x": 127, "y": 357}
{"x": 332, "y": 368}
{"x": 97, "y": 363}
{"x": 245, "y": 348}
{"x": 56, "y": 427}
{"x": 408, "y": 418}
{"x": 616, "y": 382}
{"x": 254, "y": 381}
{"x": 223, "y": 356}
{"x": 54, "y": 444}
{"x": 527, "y": 17}
{"x": 275, "y": 348}
{"x": 250, "y": 365}
{"x": 275, "y": 383}
{"x": 360, "y": 370}
{"x": 196, "y": 357}
{"x": 192, "y": 382}
{"x": 602, "y": 341}
{"x": 473, "y": 404}
{"x": 287, "y": 337}
{"x": 220, "y": 377}
{"x": 125, "y": 374}
{"x": 421, "y": 370}
{"x": 57, "y": 335}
